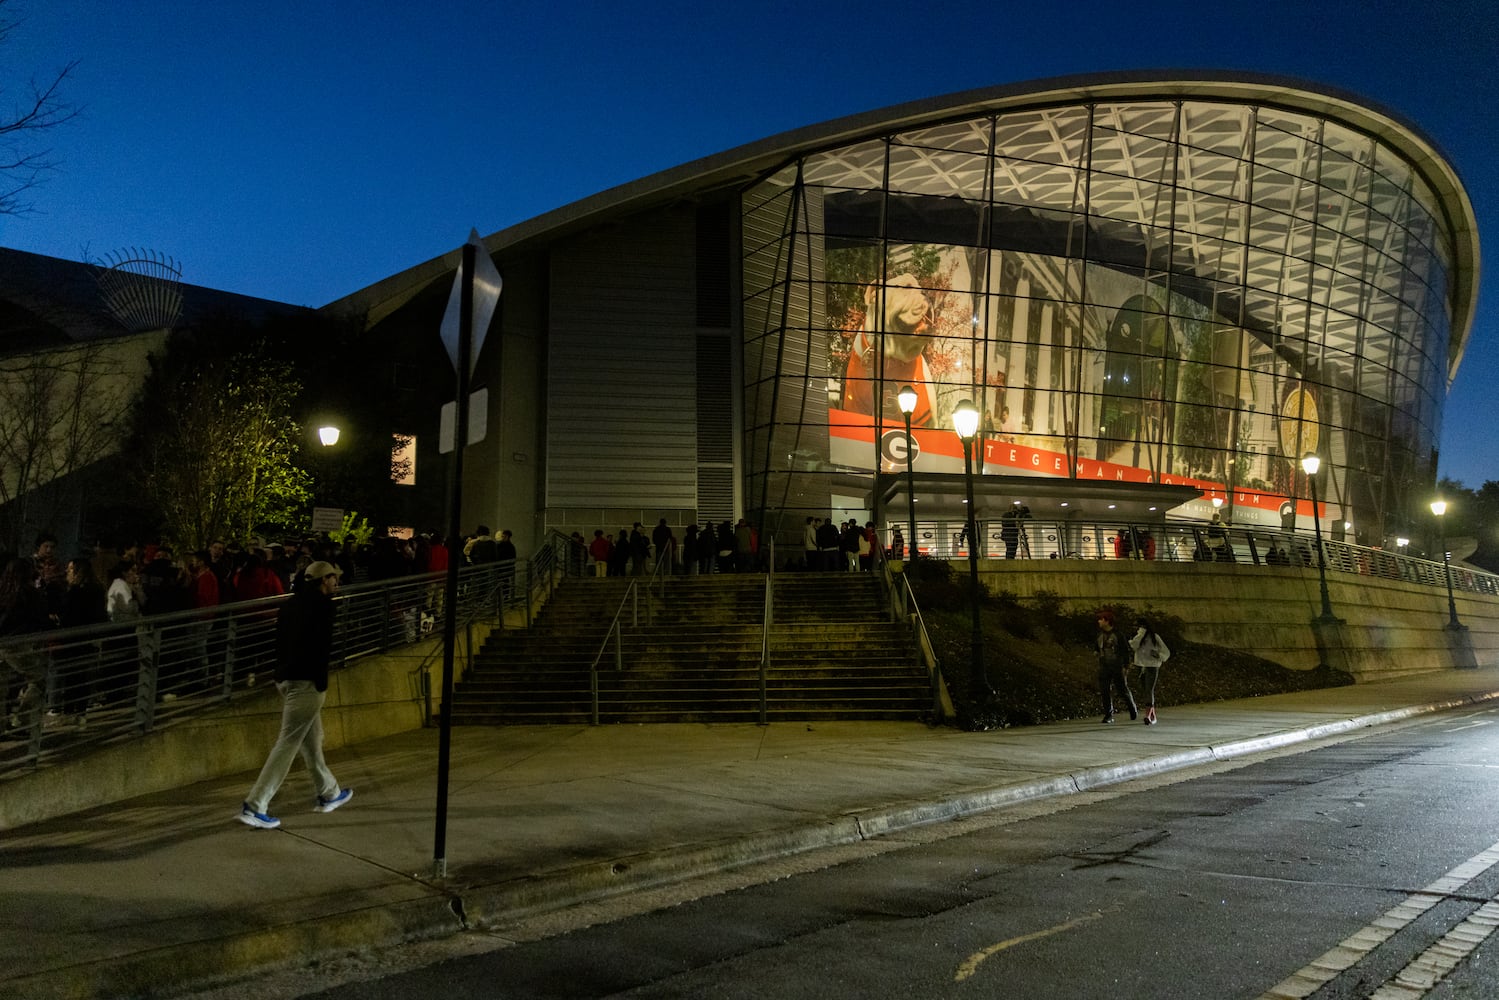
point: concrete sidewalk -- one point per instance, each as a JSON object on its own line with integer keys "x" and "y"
{"x": 169, "y": 890}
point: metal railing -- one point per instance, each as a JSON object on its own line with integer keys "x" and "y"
{"x": 66, "y": 690}
{"x": 631, "y": 599}
{"x": 767, "y": 619}
{"x": 904, "y": 607}
{"x": 1188, "y": 542}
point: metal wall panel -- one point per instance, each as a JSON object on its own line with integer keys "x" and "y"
{"x": 622, "y": 367}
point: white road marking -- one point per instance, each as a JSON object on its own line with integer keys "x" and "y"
{"x": 1432, "y": 965}
{"x": 1328, "y": 965}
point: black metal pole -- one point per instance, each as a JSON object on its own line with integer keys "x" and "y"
{"x": 910, "y": 494}
{"x": 1327, "y": 614}
{"x": 980, "y": 675}
{"x": 455, "y": 520}
{"x": 1452, "y": 621}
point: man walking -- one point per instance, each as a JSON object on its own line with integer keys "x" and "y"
{"x": 1113, "y": 657}
{"x": 304, "y": 641}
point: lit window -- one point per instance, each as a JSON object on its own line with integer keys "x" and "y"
{"x": 403, "y": 459}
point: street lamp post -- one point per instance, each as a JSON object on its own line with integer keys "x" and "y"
{"x": 1439, "y": 508}
{"x": 327, "y": 435}
{"x": 965, "y": 419}
{"x": 1310, "y": 463}
{"x": 907, "y": 400}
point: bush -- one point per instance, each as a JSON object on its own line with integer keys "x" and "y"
{"x": 1039, "y": 663}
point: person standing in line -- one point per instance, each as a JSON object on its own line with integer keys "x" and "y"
{"x": 599, "y": 549}
{"x": 77, "y": 664}
{"x": 1112, "y": 659}
{"x": 505, "y": 555}
{"x": 828, "y": 542}
{"x": 689, "y": 550}
{"x": 304, "y": 642}
{"x": 619, "y": 554}
{"x": 809, "y": 543}
{"x": 1150, "y": 651}
{"x": 707, "y": 550}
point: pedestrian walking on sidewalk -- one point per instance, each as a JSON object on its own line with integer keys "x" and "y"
{"x": 1150, "y": 652}
{"x": 1112, "y": 659}
{"x": 304, "y": 641}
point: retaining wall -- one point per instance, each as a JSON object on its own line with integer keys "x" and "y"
{"x": 1389, "y": 628}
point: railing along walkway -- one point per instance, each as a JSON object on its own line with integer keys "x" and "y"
{"x": 1180, "y": 542}
{"x": 67, "y": 690}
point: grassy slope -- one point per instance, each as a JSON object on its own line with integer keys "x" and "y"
{"x": 1039, "y": 657}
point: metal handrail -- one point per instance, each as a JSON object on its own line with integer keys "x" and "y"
{"x": 616, "y": 629}
{"x": 903, "y": 605}
{"x": 615, "y": 632}
{"x": 768, "y": 619}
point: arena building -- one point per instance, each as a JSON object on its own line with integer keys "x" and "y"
{"x": 1158, "y": 289}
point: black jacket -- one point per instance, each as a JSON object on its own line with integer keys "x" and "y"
{"x": 304, "y": 636}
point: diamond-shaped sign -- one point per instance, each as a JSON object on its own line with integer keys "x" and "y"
{"x": 487, "y": 285}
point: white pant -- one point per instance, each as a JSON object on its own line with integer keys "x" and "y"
{"x": 301, "y": 732}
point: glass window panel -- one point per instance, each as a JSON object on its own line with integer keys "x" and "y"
{"x": 920, "y": 170}
{"x": 1220, "y": 128}
{"x": 1275, "y": 190}
{"x": 858, "y": 166}
{"x": 1146, "y": 119}
{"x": 1054, "y": 135}
{"x": 923, "y": 219}
{"x": 1132, "y": 156}
{"x": 1045, "y": 185}
{"x": 1210, "y": 215}
{"x": 970, "y": 136}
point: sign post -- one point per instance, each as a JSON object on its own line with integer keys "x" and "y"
{"x": 463, "y": 334}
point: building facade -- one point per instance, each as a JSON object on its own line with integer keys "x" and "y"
{"x": 1140, "y": 281}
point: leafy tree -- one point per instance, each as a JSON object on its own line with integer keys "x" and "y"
{"x": 218, "y": 448}
{"x": 355, "y": 527}
{"x": 23, "y": 116}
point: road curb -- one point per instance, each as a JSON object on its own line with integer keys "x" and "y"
{"x": 202, "y": 964}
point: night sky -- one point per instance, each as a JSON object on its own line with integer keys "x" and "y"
{"x": 300, "y": 151}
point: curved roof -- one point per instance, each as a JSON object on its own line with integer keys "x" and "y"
{"x": 745, "y": 164}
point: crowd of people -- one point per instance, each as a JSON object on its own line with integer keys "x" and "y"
{"x": 726, "y": 547}
{"x": 40, "y": 591}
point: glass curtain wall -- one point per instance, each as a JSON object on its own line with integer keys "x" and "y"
{"x": 1175, "y": 292}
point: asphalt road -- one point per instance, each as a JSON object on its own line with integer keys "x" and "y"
{"x": 1225, "y": 882}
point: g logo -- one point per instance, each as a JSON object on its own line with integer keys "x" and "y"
{"x": 895, "y": 446}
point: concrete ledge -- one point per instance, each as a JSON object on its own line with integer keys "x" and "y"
{"x": 205, "y": 963}
{"x": 373, "y": 697}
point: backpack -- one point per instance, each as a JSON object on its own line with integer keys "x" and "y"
{"x": 1109, "y": 645}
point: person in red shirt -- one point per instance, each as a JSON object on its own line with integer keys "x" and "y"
{"x": 599, "y": 550}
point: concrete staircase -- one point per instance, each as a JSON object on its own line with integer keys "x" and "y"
{"x": 834, "y": 654}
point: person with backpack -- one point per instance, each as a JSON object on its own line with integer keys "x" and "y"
{"x": 1113, "y": 657}
{"x": 1150, "y": 651}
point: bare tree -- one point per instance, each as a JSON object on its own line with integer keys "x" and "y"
{"x": 26, "y": 113}
{"x": 60, "y": 410}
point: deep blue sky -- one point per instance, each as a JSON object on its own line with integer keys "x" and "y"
{"x": 300, "y": 151}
